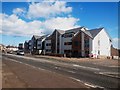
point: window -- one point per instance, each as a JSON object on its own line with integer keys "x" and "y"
{"x": 68, "y": 35}
{"x": 99, "y": 42}
{"x": 86, "y": 42}
{"x": 48, "y": 50}
{"x": 48, "y": 44}
{"x": 68, "y": 43}
{"x": 76, "y": 43}
{"x": 39, "y": 44}
{"x": 98, "y": 52}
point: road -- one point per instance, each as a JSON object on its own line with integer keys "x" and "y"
{"x": 92, "y": 75}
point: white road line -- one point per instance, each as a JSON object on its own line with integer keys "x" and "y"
{"x": 89, "y": 85}
{"x": 110, "y": 74}
{"x": 75, "y": 65}
{"x": 93, "y": 86}
{"x": 76, "y": 79}
{"x": 71, "y": 71}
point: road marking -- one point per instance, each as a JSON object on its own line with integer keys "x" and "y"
{"x": 93, "y": 86}
{"x": 89, "y": 85}
{"x": 76, "y": 79}
{"x": 110, "y": 74}
{"x": 71, "y": 71}
{"x": 75, "y": 65}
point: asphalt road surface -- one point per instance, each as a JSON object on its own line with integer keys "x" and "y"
{"x": 92, "y": 75}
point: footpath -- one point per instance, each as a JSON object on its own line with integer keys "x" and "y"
{"x": 102, "y": 62}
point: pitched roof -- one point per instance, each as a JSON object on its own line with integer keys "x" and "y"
{"x": 48, "y": 37}
{"x": 42, "y": 37}
{"x": 74, "y": 30}
{"x": 88, "y": 33}
{"x": 61, "y": 31}
{"x": 94, "y": 32}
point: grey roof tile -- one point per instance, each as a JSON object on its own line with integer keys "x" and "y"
{"x": 94, "y": 32}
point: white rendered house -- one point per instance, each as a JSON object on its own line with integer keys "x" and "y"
{"x": 101, "y": 43}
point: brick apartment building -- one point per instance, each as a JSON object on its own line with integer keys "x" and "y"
{"x": 76, "y": 42}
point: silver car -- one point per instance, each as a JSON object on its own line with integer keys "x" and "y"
{"x": 20, "y": 52}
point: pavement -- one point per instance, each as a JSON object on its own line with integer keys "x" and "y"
{"x": 102, "y": 62}
{"x": 19, "y": 75}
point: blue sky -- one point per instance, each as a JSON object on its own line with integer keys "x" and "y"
{"x": 22, "y": 19}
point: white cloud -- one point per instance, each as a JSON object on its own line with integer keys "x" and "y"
{"x": 19, "y": 11}
{"x": 62, "y": 23}
{"x": 116, "y": 42}
{"x": 13, "y": 25}
{"x": 47, "y": 9}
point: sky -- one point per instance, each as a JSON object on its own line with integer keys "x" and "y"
{"x": 21, "y": 20}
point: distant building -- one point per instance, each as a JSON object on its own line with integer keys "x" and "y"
{"x": 11, "y": 49}
{"x": 41, "y": 44}
{"x": 26, "y": 47}
{"x": 36, "y": 44}
{"x": 20, "y": 46}
{"x": 115, "y": 52}
{"x": 33, "y": 49}
{"x": 2, "y": 47}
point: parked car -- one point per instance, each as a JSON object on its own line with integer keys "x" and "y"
{"x": 20, "y": 52}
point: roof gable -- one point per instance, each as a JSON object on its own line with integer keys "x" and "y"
{"x": 75, "y": 30}
{"x": 85, "y": 32}
{"x": 94, "y": 32}
{"x": 36, "y": 37}
{"x": 60, "y": 31}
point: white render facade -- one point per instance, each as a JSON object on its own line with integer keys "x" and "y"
{"x": 101, "y": 44}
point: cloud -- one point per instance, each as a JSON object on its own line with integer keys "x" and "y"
{"x": 19, "y": 11}
{"x": 13, "y": 25}
{"x": 116, "y": 42}
{"x": 47, "y": 9}
{"x": 44, "y": 17}
{"x": 62, "y": 23}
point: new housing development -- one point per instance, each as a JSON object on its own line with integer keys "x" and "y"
{"x": 76, "y": 42}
